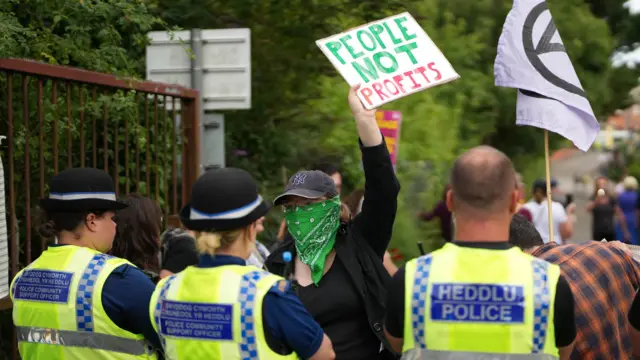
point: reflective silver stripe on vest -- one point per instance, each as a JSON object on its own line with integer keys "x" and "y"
{"x": 83, "y": 339}
{"x": 419, "y": 354}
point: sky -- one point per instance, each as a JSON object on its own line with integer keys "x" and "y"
{"x": 631, "y": 58}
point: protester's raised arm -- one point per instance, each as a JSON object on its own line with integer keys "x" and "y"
{"x": 365, "y": 120}
{"x": 375, "y": 222}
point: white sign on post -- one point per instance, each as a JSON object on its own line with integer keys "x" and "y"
{"x": 391, "y": 58}
{"x": 225, "y": 64}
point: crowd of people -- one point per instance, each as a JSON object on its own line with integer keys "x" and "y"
{"x": 114, "y": 286}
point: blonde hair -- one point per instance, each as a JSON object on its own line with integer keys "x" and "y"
{"x": 630, "y": 183}
{"x": 209, "y": 242}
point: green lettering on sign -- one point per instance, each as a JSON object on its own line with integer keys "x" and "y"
{"x": 407, "y": 48}
{"x": 334, "y": 46}
{"x": 376, "y": 30}
{"x": 393, "y": 38}
{"x": 350, "y": 49}
{"x": 377, "y": 58}
{"x": 371, "y": 40}
{"x": 403, "y": 29}
{"x": 367, "y": 70}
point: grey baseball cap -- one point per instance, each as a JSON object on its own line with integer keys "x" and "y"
{"x": 310, "y": 184}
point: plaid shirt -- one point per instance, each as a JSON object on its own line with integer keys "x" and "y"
{"x": 603, "y": 278}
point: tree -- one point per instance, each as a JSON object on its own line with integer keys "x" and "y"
{"x": 107, "y": 36}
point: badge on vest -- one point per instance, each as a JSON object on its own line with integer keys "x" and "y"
{"x": 477, "y": 303}
{"x": 43, "y": 285}
{"x": 196, "y": 320}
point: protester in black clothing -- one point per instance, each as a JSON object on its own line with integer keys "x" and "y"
{"x": 337, "y": 267}
{"x": 178, "y": 251}
{"x": 634, "y": 322}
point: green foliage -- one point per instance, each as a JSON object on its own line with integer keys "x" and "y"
{"x": 625, "y": 29}
{"x": 107, "y": 36}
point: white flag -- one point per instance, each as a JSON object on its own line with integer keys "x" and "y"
{"x": 532, "y": 58}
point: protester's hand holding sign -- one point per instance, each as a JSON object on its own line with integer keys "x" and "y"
{"x": 391, "y": 58}
{"x": 370, "y": 134}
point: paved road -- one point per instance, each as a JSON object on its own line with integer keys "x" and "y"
{"x": 564, "y": 170}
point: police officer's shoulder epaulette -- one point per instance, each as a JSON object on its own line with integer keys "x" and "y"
{"x": 281, "y": 287}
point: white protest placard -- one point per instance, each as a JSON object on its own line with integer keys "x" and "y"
{"x": 391, "y": 58}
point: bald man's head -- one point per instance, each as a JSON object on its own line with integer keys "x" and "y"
{"x": 483, "y": 182}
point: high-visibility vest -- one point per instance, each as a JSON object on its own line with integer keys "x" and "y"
{"x": 58, "y": 310}
{"x": 214, "y": 313}
{"x": 470, "y": 302}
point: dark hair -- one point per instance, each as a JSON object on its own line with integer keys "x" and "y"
{"x": 482, "y": 179}
{"x": 138, "y": 232}
{"x": 327, "y": 168}
{"x": 353, "y": 200}
{"x": 523, "y": 234}
{"x": 55, "y": 222}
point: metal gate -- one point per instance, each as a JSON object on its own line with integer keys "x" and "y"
{"x": 60, "y": 117}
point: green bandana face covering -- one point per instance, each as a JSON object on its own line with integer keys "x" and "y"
{"x": 314, "y": 228}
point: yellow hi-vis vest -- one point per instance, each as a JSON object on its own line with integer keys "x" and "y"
{"x": 470, "y": 303}
{"x": 214, "y": 313}
{"x": 58, "y": 310}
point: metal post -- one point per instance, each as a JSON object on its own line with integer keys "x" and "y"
{"x": 213, "y": 156}
{"x": 197, "y": 82}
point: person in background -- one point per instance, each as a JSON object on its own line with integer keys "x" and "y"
{"x": 634, "y": 325}
{"x": 138, "y": 234}
{"x": 260, "y": 254}
{"x": 603, "y": 278}
{"x": 627, "y": 201}
{"x": 442, "y": 213}
{"x": 538, "y": 207}
{"x": 604, "y": 209}
{"x": 440, "y": 306}
{"x": 255, "y": 314}
{"x": 336, "y": 260}
{"x": 178, "y": 248}
{"x": 333, "y": 171}
{"x": 557, "y": 194}
{"x": 354, "y": 201}
{"x": 620, "y": 186}
{"x": 97, "y": 305}
{"x": 521, "y": 209}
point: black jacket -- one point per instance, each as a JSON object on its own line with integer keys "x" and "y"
{"x": 361, "y": 243}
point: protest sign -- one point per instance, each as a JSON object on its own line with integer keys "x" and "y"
{"x": 389, "y": 124}
{"x": 391, "y": 58}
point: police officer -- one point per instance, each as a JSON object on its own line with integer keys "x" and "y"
{"x": 222, "y": 308}
{"x": 74, "y": 301}
{"x": 478, "y": 297}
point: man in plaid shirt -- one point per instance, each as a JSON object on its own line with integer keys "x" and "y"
{"x": 603, "y": 278}
{"x": 634, "y": 321}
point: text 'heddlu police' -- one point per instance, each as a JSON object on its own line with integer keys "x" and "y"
{"x": 477, "y": 303}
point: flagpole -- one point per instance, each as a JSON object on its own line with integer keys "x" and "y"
{"x": 548, "y": 175}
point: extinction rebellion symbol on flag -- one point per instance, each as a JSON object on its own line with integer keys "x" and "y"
{"x": 544, "y": 46}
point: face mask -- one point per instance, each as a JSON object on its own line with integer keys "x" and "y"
{"x": 314, "y": 228}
